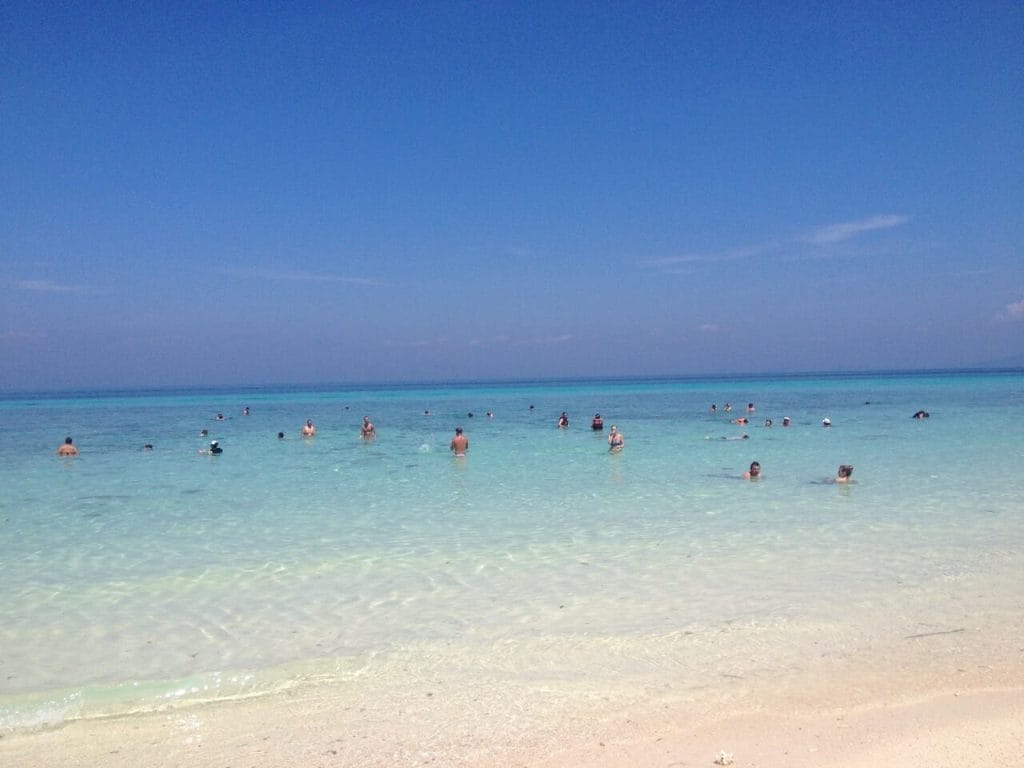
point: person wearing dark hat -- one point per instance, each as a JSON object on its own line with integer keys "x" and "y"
{"x": 598, "y": 423}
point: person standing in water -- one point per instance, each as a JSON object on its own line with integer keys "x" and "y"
{"x": 615, "y": 440}
{"x": 460, "y": 443}
{"x": 67, "y": 449}
{"x": 367, "y": 431}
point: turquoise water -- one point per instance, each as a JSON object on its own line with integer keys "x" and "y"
{"x": 133, "y": 579}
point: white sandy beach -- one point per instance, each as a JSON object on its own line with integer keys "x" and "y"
{"x": 531, "y": 725}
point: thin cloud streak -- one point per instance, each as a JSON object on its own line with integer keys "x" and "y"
{"x": 537, "y": 341}
{"x": 827, "y": 235}
{"x": 736, "y": 254}
{"x": 17, "y": 338}
{"x": 46, "y": 286}
{"x": 836, "y": 233}
{"x": 301, "y": 276}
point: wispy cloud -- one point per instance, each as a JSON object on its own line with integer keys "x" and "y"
{"x": 560, "y": 339}
{"x": 302, "y": 276}
{"x": 524, "y": 342}
{"x": 710, "y": 328}
{"x": 489, "y": 341}
{"x": 46, "y": 286}
{"x": 735, "y": 254}
{"x": 1014, "y": 312}
{"x": 416, "y": 343}
{"x": 18, "y": 338}
{"x": 826, "y": 235}
{"x": 836, "y": 233}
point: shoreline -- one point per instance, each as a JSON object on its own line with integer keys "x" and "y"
{"x": 534, "y": 724}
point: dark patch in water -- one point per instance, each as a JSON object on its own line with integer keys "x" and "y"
{"x": 191, "y": 491}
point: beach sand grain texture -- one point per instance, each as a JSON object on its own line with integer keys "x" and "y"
{"x": 950, "y": 729}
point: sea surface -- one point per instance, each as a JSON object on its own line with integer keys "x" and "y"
{"x": 134, "y": 580}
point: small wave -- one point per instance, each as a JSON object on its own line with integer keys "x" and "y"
{"x": 40, "y": 711}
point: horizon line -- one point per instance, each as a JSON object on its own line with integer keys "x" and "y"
{"x": 458, "y": 383}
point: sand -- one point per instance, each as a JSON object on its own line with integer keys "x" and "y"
{"x": 318, "y": 726}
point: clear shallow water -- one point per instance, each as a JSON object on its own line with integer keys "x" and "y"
{"x": 135, "y": 578}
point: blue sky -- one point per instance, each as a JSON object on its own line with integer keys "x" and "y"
{"x": 271, "y": 193}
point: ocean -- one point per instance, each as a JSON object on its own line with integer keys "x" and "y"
{"x": 138, "y": 580}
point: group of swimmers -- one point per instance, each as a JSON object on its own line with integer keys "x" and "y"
{"x": 843, "y": 475}
{"x": 459, "y": 444}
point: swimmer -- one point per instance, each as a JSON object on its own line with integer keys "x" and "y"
{"x": 220, "y": 417}
{"x": 754, "y": 473}
{"x": 245, "y": 411}
{"x": 280, "y": 435}
{"x": 367, "y": 431}
{"x": 598, "y": 423}
{"x": 750, "y": 408}
{"x": 767, "y": 422}
{"x": 615, "y": 440}
{"x": 459, "y": 444}
{"x": 490, "y": 415}
{"x": 922, "y": 415}
{"x": 213, "y": 450}
{"x": 67, "y": 449}
{"x": 714, "y": 408}
{"x": 147, "y": 447}
{"x": 786, "y": 422}
{"x": 204, "y": 432}
{"x": 742, "y": 420}
{"x": 844, "y": 474}
{"x": 563, "y": 421}
{"x": 728, "y": 407}
{"x": 826, "y": 422}
{"x": 308, "y": 430}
